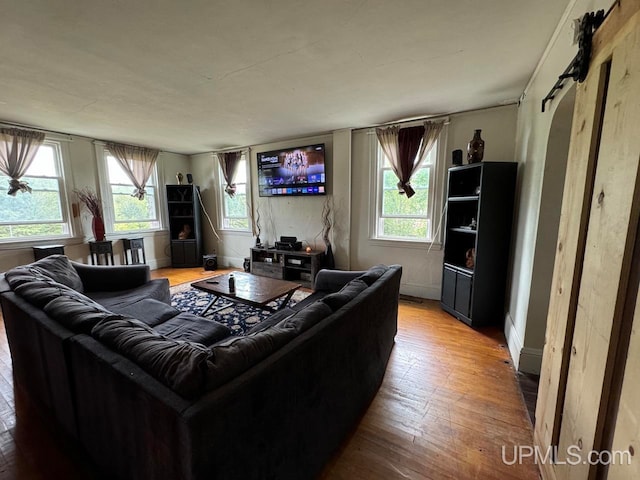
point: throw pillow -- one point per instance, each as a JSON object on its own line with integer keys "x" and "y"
{"x": 338, "y": 299}
{"x": 59, "y": 268}
{"x": 307, "y": 317}
{"x": 269, "y": 322}
{"x": 373, "y": 274}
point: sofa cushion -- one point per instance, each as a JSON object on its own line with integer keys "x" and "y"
{"x": 42, "y": 291}
{"x": 235, "y": 355}
{"x": 305, "y": 319}
{"x": 75, "y": 311}
{"x": 315, "y": 296}
{"x": 373, "y": 274}
{"x": 157, "y": 289}
{"x": 59, "y": 268}
{"x": 55, "y": 268}
{"x": 148, "y": 310}
{"x": 269, "y": 322}
{"x": 338, "y": 299}
{"x": 182, "y": 366}
{"x": 20, "y": 275}
{"x": 190, "y": 327}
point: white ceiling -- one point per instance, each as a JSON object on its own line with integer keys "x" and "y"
{"x": 200, "y": 75}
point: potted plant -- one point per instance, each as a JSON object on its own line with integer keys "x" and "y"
{"x": 92, "y": 203}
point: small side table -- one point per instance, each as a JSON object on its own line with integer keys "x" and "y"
{"x": 133, "y": 247}
{"x": 101, "y": 248}
{"x": 41, "y": 251}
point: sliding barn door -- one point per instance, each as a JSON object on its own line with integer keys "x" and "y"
{"x": 589, "y": 396}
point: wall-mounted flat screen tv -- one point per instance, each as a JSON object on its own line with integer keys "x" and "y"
{"x": 294, "y": 171}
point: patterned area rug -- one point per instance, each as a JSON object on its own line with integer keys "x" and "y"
{"x": 238, "y": 317}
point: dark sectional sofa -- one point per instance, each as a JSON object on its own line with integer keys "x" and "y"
{"x": 152, "y": 393}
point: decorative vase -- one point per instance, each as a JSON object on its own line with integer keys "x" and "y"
{"x": 179, "y": 178}
{"x": 97, "y": 225}
{"x": 329, "y": 260}
{"x": 475, "y": 150}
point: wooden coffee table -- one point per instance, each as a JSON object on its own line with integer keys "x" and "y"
{"x": 251, "y": 290}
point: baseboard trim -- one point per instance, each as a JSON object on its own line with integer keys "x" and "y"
{"x": 514, "y": 341}
{"x": 525, "y": 359}
{"x": 420, "y": 291}
{"x": 530, "y": 360}
{"x": 157, "y": 263}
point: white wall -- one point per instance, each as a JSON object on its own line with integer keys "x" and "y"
{"x": 526, "y": 341}
{"x": 286, "y": 216}
{"x": 82, "y": 172}
{"x": 422, "y": 268}
{"x": 203, "y": 168}
{"x": 348, "y": 161}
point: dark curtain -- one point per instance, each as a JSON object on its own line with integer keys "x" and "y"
{"x": 229, "y": 164}
{"x": 406, "y": 148}
{"x": 409, "y": 140}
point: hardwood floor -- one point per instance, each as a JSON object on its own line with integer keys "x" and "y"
{"x": 449, "y": 402}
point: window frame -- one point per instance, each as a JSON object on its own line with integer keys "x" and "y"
{"x": 61, "y": 157}
{"x": 223, "y": 197}
{"x": 437, "y": 178}
{"x": 107, "y": 196}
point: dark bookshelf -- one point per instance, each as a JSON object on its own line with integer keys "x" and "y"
{"x": 183, "y": 207}
{"x": 478, "y": 224}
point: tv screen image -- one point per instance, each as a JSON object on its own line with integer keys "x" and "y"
{"x": 294, "y": 171}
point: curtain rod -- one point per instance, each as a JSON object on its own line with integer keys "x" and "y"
{"x": 29, "y": 127}
{"x": 445, "y": 117}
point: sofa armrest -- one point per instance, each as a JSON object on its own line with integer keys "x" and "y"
{"x": 334, "y": 280}
{"x": 4, "y": 285}
{"x": 98, "y": 278}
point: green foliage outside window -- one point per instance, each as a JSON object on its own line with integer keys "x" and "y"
{"x": 41, "y": 208}
{"x": 396, "y": 207}
{"x": 236, "y": 210}
{"x": 131, "y": 213}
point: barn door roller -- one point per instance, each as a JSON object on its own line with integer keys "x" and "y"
{"x": 579, "y": 66}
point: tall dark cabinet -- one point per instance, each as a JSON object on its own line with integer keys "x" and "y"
{"x": 477, "y": 241}
{"x": 184, "y": 215}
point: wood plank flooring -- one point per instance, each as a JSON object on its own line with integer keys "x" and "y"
{"x": 449, "y": 402}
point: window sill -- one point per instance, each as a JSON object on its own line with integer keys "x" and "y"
{"x": 230, "y": 231}
{"x": 113, "y": 236}
{"x": 415, "y": 244}
{"x": 20, "y": 244}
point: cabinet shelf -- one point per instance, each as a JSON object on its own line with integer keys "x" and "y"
{"x": 476, "y": 295}
{"x": 463, "y": 230}
{"x": 466, "y": 198}
{"x": 460, "y": 268}
{"x": 298, "y": 267}
{"x": 280, "y": 265}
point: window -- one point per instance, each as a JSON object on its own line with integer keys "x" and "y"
{"x": 123, "y": 212}
{"x": 43, "y": 212}
{"x": 234, "y": 212}
{"x": 398, "y": 217}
